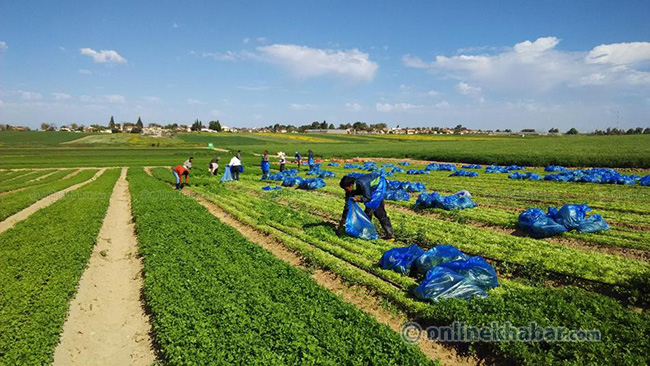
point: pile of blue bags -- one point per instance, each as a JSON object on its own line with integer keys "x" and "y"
{"x": 407, "y": 186}
{"x": 524, "y": 176}
{"x": 333, "y": 164}
{"x": 397, "y": 195}
{"x": 436, "y": 166}
{"x": 417, "y": 171}
{"x": 271, "y": 188}
{"x": 388, "y": 165}
{"x": 404, "y": 163}
{"x": 291, "y": 181}
{"x": 559, "y": 220}
{"x": 450, "y": 273}
{"x": 472, "y": 166}
{"x": 595, "y": 175}
{"x": 555, "y": 168}
{"x": 398, "y": 170}
{"x": 326, "y": 174}
{"x": 352, "y": 166}
{"x": 311, "y": 183}
{"x": 281, "y": 175}
{"x": 463, "y": 173}
{"x": 503, "y": 169}
{"x": 645, "y": 181}
{"x": 457, "y": 201}
{"x": 369, "y": 165}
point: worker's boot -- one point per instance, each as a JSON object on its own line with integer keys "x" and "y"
{"x": 388, "y": 229}
{"x": 178, "y": 186}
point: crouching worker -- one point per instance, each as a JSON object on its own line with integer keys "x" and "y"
{"x": 178, "y": 172}
{"x": 361, "y": 190}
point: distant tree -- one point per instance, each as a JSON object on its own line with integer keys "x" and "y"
{"x": 553, "y": 130}
{"x": 630, "y": 131}
{"x": 323, "y": 126}
{"x": 315, "y": 125}
{"x": 378, "y": 127}
{"x": 113, "y": 127}
{"x": 73, "y": 126}
{"x": 528, "y": 130}
{"x": 215, "y": 126}
{"x": 331, "y": 126}
{"x": 344, "y": 126}
{"x": 48, "y": 127}
{"x": 138, "y": 126}
{"x": 572, "y": 131}
{"x": 507, "y": 130}
{"x": 150, "y": 125}
{"x": 459, "y": 127}
{"x": 360, "y": 126}
{"x": 638, "y": 130}
{"x": 646, "y": 131}
{"x": 196, "y": 126}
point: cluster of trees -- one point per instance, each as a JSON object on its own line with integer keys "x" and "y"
{"x": 616, "y": 131}
{"x": 316, "y": 125}
{"x": 198, "y": 125}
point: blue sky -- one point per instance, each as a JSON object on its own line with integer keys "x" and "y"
{"x": 506, "y": 64}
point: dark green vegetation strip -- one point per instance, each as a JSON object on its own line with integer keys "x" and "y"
{"x": 41, "y": 261}
{"x": 217, "y": 298}
{"x": 624, "y": 332}
{"x": 17, "y": 138}
{"x": 14, "y": 202}
{"x": 28, "y": 182}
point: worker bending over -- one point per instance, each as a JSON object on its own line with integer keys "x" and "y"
{"x": 360, "y": 190}
{"x": 178, "y": 172}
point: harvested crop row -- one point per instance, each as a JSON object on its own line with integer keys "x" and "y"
{"x": 41, "y": 261}
{"x": 14, "y": 202}
{"x": 215, "y": 296}
{"x": 572, "y": 307}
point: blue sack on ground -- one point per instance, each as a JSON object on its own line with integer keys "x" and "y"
{"x": 326, "y": 174}
{"x": 397, "y": 195}
{"x": 443, "y": 283}
{"x": 539, "y": 224}
{"x": 463, "y": 173}
{"x": 472, "y": 166}
{"x": 592, "y": 224}
{"x": 645, "y": 181}
{"x": 270, "y": 188}
{"x": 311, "y": 183}
{"x": 436, "y": 255}
{"x": 291, "y": 181}
{"x": 227, "y": 175}
{"x": 357, "y": 224}
{"x": 477, "y": 269}
{"x": 333, "y": 164}
{"x": 555, "y": 168}
{"x": 404, "y": 163}
{"x": 377, "y": 195}
{"x": 569, "y": 216}
{"x": 400, "y": 259}
{"x": 496, "y": 169}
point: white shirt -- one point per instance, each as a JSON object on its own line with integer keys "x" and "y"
{"x": 234, "y": 161}
{"x": 187, "y": 164}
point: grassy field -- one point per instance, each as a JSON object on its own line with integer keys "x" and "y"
{"x": 22, "y": 149}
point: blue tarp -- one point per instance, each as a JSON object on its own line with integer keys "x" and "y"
{"x": 358, "y": 224}
{"x": 463, "y": 173}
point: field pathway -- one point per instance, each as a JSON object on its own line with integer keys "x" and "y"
{"x": 107, "y": 324}
{"x": 10, "y": 221}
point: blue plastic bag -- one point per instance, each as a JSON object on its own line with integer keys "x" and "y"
{"x": 569, "y": 216}
{"x": 333, "y": 164}
{"x": 645, "y": 181}
{"x": 442, "y": 283}
{"x": 271, "y": 188}
{"x": 463, "y": 173}
{"x": 397, "y": 195}
{"x": 377, "y": 195}
{"x": 291, "y": 181}
{"x": 592, "y": 224}
{"x": 400, "y": 259}
{"x": 477, "y": 269}
{"x": 357, "y": 224}
{"x": 227, "y": 175}
{"x": 311, "y": 183}
{"x": 436, "y": 255}
{"x": 539, "y": 224}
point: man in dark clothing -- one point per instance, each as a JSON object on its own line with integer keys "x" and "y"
{"x": 360, "y": 189}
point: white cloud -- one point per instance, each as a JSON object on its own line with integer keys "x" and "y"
{"x": 537, "y": 66}
{"x": 103, "y": 56}
{"x": 109, "y": 98}
{"x": 3, "y": 46}
{"x": 227, "y": 56}
{"x": 194, "y": 101}
{"x": 60, "y": 96}
{"x": 387, "y": 107}
{"x": 26, "y": 95}
{"x": 620, "y": 53}
{"x": 302, "y": 107}
{"x": 85, "y": 72}
{"x": 467, "y": 89}
{"x": 433, "y": 93}
{"x": 151, "y": 99}
{"x": 353, "y": 107}
{"x": 114, "y": 98}
{"x": 305, "y": 62}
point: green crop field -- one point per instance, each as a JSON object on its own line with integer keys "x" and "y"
{"x": 234, "y": 274}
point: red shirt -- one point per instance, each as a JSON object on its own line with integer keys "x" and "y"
{"x": 180, "y": 170}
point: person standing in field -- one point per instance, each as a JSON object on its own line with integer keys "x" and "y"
{"x": 298, "y": 158}
{"x": 188, "y": 163}
{"x": 235, "y": 166}
{"x": 360, "y": 190}
{"x": 283, "y": 160}
{"x": 180, "y": 171}
{"x": 214, "y": 165}
{"x": 265, "y": 165}
{"x": 310, "y": 159}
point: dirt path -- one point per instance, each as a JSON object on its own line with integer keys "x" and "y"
{"x": 72, "y": 174}
{"x": 107, "y": 324}
{"x": 42, "y": 177}
{"x": 10, "y": 221}
{"x": 358, "y": 296}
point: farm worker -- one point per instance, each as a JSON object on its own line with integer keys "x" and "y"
{"x": 360, "y": 190}
{"x": 310, "y": 159}
{"x": 283, "y": 160}
{"x": 238, "y": 154}
{"x": 298, "y": 158}
{"x": 214, "y": 166}
{"x": 265, "y": 164}
{"x": 235, "y": 167}
{"x": 188, "y": 163}
{"x": 178, "y": 172}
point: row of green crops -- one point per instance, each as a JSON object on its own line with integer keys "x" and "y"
{"x": 21, "y": 179}
{"x": 16, "y": 201}
{"x": 20, "y": 183}
{"x": 216, "y": 297}
{"x": 41, "y": 262}
{"x": 355, "y": 260}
